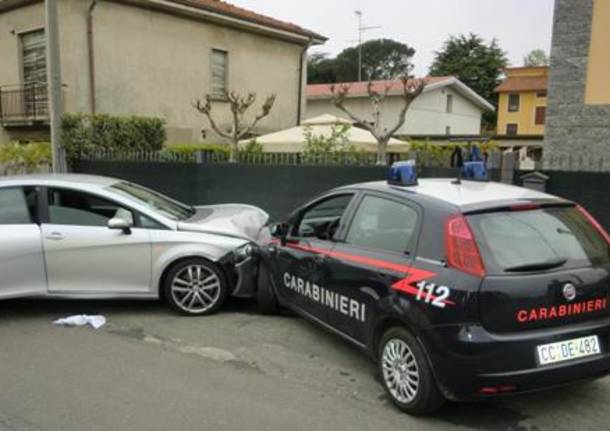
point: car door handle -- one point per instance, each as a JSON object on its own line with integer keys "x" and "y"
{"x": 56, "y": 236}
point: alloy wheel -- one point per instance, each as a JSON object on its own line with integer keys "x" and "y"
{"x": 195, "y": 289}
{"x": 400, "y": 370}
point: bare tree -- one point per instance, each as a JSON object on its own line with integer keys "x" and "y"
{"x": 411, "y": 88}
{"x": 239, "y": 128}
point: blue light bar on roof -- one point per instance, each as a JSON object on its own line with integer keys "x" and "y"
{"x": 403, "y": 174}
{"x": 474, "y": 171}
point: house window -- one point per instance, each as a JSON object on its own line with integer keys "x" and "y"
{"x": 33, "y": 54}
{"x": 449, "y": 107}
{"x": 513, "y": 102}
{"x": 541, "y": 94}
{"x": 219, "y": 62}
{"x": 447, "y": 130}
{"x": 540, "y": 115}
{"x": 512, "y": 129}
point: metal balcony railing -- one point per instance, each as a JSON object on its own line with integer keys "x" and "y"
{"x": 24, "y": 103}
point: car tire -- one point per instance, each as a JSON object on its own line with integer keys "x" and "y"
{"x": 195, "y": 287}
{"x": 265, "y": 296}
{"x": 406, "y": 373}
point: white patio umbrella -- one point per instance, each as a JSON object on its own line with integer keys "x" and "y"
{"x": 293, "y": 140}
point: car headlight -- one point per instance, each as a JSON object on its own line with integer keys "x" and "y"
{"x": 244, "y": 252}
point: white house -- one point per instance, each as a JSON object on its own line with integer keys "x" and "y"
{"x": 447, "y": 106}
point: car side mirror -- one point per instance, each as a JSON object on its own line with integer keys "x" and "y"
{"x": 280, "y": 231}
{"x": 120, "y": 224}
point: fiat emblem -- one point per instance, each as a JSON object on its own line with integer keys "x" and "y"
{"x": 569, "y": 291}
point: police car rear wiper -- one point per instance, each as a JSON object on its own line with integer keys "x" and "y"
{"x": 539, "y": 266}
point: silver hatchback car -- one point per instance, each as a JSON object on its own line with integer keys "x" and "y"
{"x": 81, "y": 236}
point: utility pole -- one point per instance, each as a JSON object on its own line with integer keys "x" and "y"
{"x": 54, "y": 83}
{"x": 361, "y": 30}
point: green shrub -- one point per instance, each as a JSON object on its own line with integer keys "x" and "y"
{"x": 336, "y": 142}
{"x": 25, "y": 158}
{"x": 252, "y": 147}
{"x": 217, "y": 151}
{"x": 439, "y": 155}
{"x": 83, "y": 134}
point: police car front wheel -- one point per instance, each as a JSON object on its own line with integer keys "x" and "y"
{"x": 406, "y": 374}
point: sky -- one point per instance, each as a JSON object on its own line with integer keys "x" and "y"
{"x": 518, "y": 25}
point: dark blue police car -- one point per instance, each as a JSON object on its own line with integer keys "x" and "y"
{"x": 457, "y": 289}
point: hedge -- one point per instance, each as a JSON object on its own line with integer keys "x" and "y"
{"x": 83, "y": 134}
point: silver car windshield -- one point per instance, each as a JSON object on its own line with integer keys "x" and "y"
{"x": 170, "y": 208}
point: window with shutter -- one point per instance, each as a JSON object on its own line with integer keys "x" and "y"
{"x": 512, "y": 129}
{"x": 514, "y": 100}
{"x": 34, "y": 63}
{"x": 540, "y": 115}
{"x": 449, "y": 107}
{"x": 33, "y": 47}
{"x": 219, "y": 73}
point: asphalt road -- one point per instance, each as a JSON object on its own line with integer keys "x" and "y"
{"x": 149, "y": 369}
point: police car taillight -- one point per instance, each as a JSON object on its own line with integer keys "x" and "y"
{"x": 462, "y": 250}
{"x": 594, "y": 223}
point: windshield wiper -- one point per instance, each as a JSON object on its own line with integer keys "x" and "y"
{"x": 539, "y": 266}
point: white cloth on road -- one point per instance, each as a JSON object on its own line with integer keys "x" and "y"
{"x": 95, "y": 322}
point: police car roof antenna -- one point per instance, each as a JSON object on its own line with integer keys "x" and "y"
{"x": 457, "y": 161}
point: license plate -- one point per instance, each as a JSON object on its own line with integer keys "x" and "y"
{"x": 568, "y": 350}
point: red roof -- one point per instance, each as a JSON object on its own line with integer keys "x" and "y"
{"x": 523, "y": 83}
{"x": 231, "y": 10}
{"x": 357, "y": 89}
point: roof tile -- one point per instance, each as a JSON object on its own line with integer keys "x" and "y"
{"x": 357, "y": 89}
{"x": 222, "y": 7}
{"x": 523, "y": 83}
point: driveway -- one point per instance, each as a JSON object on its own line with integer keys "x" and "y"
{"x": 149, "y": 369}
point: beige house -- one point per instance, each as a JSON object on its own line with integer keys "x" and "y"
{"x": 447, "y": 106}
{"x": 149, "y": 58}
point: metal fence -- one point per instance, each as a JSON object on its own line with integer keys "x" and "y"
{"x": 24, "y": 102}
{"x": 244, "y": 158}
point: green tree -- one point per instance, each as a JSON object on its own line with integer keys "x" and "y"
{"x": 474, "y": 62}
{"x": 381, "y": 59}
{"x": 321, "y": 69}
{"x": 536, "y": 57}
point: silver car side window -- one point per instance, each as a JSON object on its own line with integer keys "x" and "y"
{"x": 14, "y": 207}
{"x": 72, "y": 207}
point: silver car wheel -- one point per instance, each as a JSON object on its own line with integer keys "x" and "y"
{"x": 195, "y": 289}
{"x": 400, "y": 370}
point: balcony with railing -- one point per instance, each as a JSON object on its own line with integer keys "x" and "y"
{"x": 24, "y": 105}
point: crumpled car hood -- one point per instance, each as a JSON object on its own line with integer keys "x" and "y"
{"x": 234, "y": 220}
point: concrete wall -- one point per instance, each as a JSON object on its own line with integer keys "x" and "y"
{"x": 155, "y": 64}
{"x": 574, "y": 128}
{"x": 426, "y": 116}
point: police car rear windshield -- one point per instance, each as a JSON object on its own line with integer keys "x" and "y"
{"x": 534, "y": 240}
